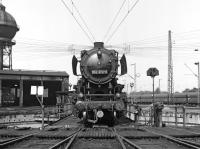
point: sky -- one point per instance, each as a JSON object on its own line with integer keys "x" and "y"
{"x": 48, "y": 32}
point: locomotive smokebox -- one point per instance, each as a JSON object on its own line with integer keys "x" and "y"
{"x": 99, "y": 65}
{"x": 98, "y": 44}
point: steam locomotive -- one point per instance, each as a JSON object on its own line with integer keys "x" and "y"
{"x": 99, "y": 98}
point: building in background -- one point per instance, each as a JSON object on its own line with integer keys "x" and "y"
{"x": 15, "y": 85}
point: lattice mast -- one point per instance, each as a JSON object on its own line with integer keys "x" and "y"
{"x": 170, "y": 70}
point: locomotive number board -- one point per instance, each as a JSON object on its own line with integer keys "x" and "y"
{"x": 99, "y": 71}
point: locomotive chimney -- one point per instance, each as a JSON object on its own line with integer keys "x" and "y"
{"x": 98, "y": 45}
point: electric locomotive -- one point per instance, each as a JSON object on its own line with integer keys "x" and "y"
{"x": 98, "y": 95}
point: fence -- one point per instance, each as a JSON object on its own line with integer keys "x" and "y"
{"x": 171, "y": 115}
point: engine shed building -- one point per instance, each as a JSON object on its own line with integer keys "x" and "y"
{"x": 15, "y": 86}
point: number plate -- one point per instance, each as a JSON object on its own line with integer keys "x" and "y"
{"x": 99, "y": 72}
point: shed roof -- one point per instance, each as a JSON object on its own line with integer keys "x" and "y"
{"x": 35, "y": 73}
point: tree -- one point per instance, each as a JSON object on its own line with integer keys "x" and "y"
{"x": 157, "y": 91}
{"x": 190, "y": 90}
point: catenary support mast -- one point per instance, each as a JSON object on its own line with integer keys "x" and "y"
{"x": 170, "y": 69}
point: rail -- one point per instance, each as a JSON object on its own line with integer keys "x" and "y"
{"x": 121, "y": 139}
{"x": 18, "y": 139}
{"x": 176, "y": 140}
{"x": 110, "y": 133}
{"x": 61, "y": 143}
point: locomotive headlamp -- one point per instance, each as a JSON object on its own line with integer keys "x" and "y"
{"x": 80, "y": 95}
{"x": 118, "y": 95}
{"x": 100, "y": 114}
{"x": 99, "y": 54}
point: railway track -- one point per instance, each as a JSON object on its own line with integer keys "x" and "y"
{"x": 101, "y": 137}
{"x": 177, "y": 140}
{"x": 39, "y": 140}
{"x": 13, "y": 141}
{"x": 98, "y": 137}
{"x": 109, "y": 138}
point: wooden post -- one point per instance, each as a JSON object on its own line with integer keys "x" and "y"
{"x": 42, "y": 105}
{"x": 184, "y": 116}
{"x": 176, "y": 119}
{"x": 43, "y": 117}
{"x": 21, "y": 92}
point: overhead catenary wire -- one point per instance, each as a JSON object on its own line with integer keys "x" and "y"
{"x": 145, "y": 44}
{"x": 39, "y": 41}
{"x": 65, "y": 47}
{"x": 152, "y": 45}
{"x": 110, "y": 37}
{"x": 188, "y": 32}
{"x": 161, "y": 37}
{"x": 113, "y": 21}
{"x": 181, "y": 38}
{"x": 83, "y": 20}
{"x": 43, "y": 44}
{"x": 31, "y": 47}
{"x": 77, "y": 21}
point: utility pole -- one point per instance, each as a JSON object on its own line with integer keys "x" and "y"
{"x": 170, "y": 69}
{"x": 198, "y": 100}
{"x": 135, "y": 78}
